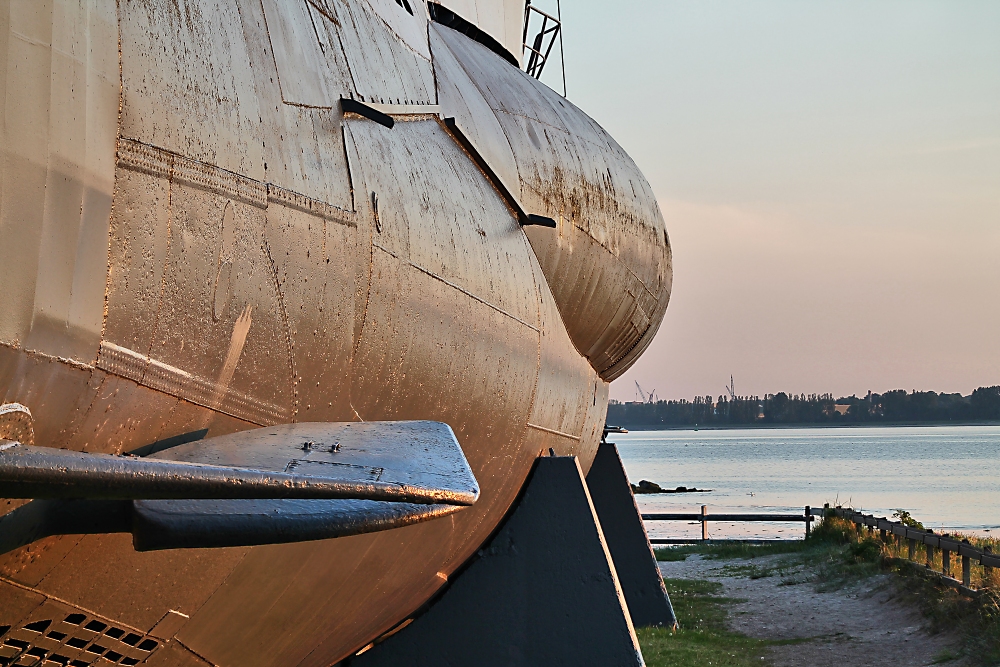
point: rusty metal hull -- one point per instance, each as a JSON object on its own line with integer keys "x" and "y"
{"x": 197, "y": 240}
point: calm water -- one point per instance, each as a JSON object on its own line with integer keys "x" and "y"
{"x": 947, "y": 476}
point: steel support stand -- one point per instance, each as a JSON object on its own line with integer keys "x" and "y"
{"x": 542, "y": 592}
{"x": 641, "y": 582}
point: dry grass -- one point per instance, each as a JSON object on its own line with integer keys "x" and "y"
{"x": 947, "y": 609}
{"x": 842, "y": 553}
{"x": 895, "y": 548}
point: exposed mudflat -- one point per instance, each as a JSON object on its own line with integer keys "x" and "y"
{"x": 855, "y": 626}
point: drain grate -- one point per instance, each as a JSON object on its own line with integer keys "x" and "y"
{"x": 73, "y": 640}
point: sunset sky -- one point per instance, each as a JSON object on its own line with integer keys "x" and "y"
{"x": 830, "y": 178}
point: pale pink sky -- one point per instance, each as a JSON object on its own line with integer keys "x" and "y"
{"x": 830, "y": 177}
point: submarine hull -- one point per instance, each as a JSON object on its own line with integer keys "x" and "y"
{"x": 198, "y": 239}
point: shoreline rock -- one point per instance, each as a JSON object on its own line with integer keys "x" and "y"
{"x": 645, "y": 486}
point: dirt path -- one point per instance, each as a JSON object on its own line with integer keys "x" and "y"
{"x": 851, "y": 627}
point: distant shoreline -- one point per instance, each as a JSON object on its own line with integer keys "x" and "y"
{"x": 744, "y": 427}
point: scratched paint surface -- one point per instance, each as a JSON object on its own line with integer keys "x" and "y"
{"x": 609, "y": 264}
{"x": 204, "y": 243}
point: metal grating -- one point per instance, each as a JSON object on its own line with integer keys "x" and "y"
{"x": 72, "y": 640}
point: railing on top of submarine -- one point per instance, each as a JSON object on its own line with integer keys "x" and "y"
{"x": 541, "y": 44}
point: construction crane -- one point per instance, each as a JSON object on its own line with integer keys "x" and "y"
{"x": 731, "y": 388}
{"x": 646, "y": 398}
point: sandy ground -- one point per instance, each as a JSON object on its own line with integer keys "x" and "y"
{"x": 858, "y": 626}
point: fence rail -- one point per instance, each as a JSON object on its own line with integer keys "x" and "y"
{"x": 807, "y": 517}
{"x": 966, "y": 554}
{"x": 948, "y": 545}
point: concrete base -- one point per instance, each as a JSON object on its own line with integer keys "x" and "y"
{"x": 544, "y": 592}
{"x": 621, "y": 521}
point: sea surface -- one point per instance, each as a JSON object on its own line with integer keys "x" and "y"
{"x": 947, "y": 477}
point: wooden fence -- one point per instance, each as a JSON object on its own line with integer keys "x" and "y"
{"x": 947, "y": 545}
{"x": 807, "y": 517}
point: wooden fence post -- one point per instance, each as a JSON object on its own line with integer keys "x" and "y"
{"x": 808, "y": 520}
{"x": 704, "y": 523}
{"x": 911, "y": 552}
{"x": 966, "y": 568}
{"x": 930, "y": 556}
{"x": 945, "y": 562}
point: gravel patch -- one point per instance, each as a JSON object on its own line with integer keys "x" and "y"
{"x": 856, "y": 626}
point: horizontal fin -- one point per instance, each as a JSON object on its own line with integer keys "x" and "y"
{"x": 411, "y": 462}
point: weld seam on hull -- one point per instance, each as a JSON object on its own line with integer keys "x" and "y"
{"x": 407, "y": 109}
{"x": 553, "y": 431}
{"x": 137, "y": 156}
{"x": 628, "y": 268}
{"x": 306, "y": 204}
{"x": 466, "y": 144}
{"x": 157, "y": 375}
{"x": 79, "y": 365}
{"x": 460, "y": 289}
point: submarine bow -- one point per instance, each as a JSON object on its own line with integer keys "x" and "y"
{"x": 218, "y": 216}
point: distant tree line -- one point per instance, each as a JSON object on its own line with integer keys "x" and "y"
{"x": 891, "y": 407}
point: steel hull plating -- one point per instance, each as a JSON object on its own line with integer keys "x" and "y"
{"x": 197, "y": 240}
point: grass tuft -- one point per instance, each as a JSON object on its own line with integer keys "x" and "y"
{"x": 703, "y": 638}
{"x": 672, "y": 554}
{"x": 728, "y": 550}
